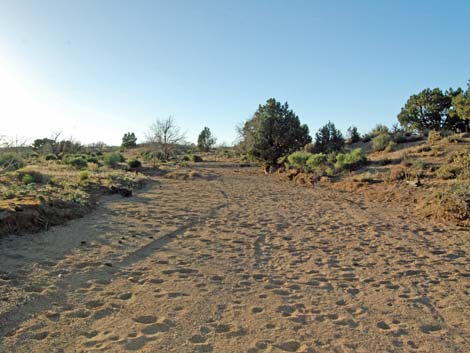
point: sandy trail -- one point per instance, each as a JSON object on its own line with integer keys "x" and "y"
{"x": 240, "y": 263}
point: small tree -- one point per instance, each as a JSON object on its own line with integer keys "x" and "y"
{"x": 165, "y": 134}
{"x": 353, "y": 134}
{"x": 426, "y": 110}
{"x": 272, "y": 132}
{"x": 129, "y": 140}
{"x": 205, "y": 140}
{"x": 328, "y": 139}
{"x": 461, "y": 104}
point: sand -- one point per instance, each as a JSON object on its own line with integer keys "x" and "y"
{"x": 238, "y": 263}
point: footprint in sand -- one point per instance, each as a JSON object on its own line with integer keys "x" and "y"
{"x": 286, "y": 310}
{"x": 203, "y": 348}
{"x": 93, "y": 304}
{"x": 222, "y": 328}
{"x": 145, "y": 319}
{"x": 80, "y": 313}
{"x": 52, "y": 315}
{"x": 383, "y": 325}
{"x": 289, "y": 346}
{"x": 125, "y": 296}
{"x": 198, "y": 339}
{"x": 40, "y": 335}
{"x": 430, "y": 328}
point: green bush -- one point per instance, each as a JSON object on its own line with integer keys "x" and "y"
{"x": 27, "y": 179}
{"x": 380, "y": 142}
{"x": 316, "y": 162}
{"x": 77, "y": 162}
{"x": 113, "y": 159}
{"x": 84, "y": 175}
{"x": 152, "y": 156}
{"x": 350, "y": 161}
{"x": 379, "y": 129}
{"x": 134, "y": 163}
{"x": 298, "y": 160}
{"x": 92, "y": 159}
{"x": 195, "y": 158}
{"x": 32, "y": 176}
{"x": 7, "y": 195}
{"x": 10, "y": 161}
{"x": 50, "y": 157}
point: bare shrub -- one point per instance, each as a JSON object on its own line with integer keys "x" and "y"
{"x": 165, "y": 135}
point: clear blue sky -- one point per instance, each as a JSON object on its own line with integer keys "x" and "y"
{"x": 96, "y": 69}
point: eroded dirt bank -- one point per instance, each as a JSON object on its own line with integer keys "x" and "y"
{"x": 238, "y": 263}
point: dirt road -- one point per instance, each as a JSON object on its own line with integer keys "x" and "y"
{"x": 239, "y": 263}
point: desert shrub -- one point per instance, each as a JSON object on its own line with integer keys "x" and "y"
{"x": 379, "y": 129}
{"x": 461, "y": 161}
{"x": 226, "y": 153}
{"x": 366, "y": 177}
{"x": 77, "y": 162}
{"x": 418, "y": 164}
{"x": 27, "y": 179}
{"x": 83, "y": 175}
{"x": 298, "y": 160}
{"x": 113, "y": 159}
{"x": 10, "y": 161}
{"x": 93, "y": 166}
{"x": 391, "y": 146}
{"x": 7, "y": 195}
{"x": 316, "y": 162}
{"x": 32, "y": 176}
{"x": 134, "y": 163}
{"x": 446, "y": 171}
{"x": 380, "y": 142}
{"x": 397, "y": 173}
{"x": 185, "y": 158}
{"x": 437, "y": 151}
{"x": 462, "y": 190}
{"x": 434, "y": 136}
{"x": 456, "y": 138}
{"x": 50, "y": 157}
{"x": 92, "y": 159}
{"x": 350, "y": 161}
{"x": 195, "y": 158}
{"x": 454, "y": 204}
{"x": 246, "y": 158}
{"x": 152, "y": 156}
